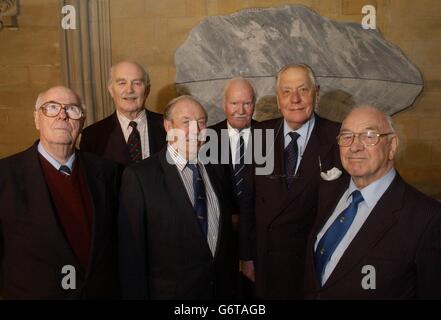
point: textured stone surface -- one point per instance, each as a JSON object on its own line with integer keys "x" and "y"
{"x": 354, "y": 66}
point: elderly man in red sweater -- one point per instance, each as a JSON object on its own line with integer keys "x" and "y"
{"x": 57, "y": 222}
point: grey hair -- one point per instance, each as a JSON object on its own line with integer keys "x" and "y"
{"x": 390, "y": 123}
{"x": 39, "y": 101}
{"x": 303, "y": 66}
{"x": 145, "y": 73}
{"x": 170, "y": 106}
{"x": 229, "y": 82}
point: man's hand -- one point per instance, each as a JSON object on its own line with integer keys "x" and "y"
{"x": 247, "y": 268}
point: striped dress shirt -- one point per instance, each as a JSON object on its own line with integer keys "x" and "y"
{"x": 213, "y": 210}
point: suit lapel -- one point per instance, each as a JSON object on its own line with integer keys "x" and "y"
{"x": 330, "y": 193}
{"x": 380, "y": 220}
{"x": 97, "y": 190}
{"x": 318, "y": 146}
{"x": 39, "y": 204}
{"x": 153, "y": 147}
{"x": 176, "y": 188}
{"x": 217, "y": 190}
{"x": 116, "y": 147}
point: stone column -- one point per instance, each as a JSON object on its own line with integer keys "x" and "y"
{"x": 86, "y": 56}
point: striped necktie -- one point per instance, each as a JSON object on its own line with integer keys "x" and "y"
{"x": 134, "y": 143}
{"x": 239, "y": 166}
{"x": 335, "y": 233}
{"x": 65, "y": 170}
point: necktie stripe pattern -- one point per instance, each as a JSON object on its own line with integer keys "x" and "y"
{"x": 134, "y": 143}
{"x": 335, "y": 233}
{"x": 65, "y": 170}
{"x": 239, "y": 166}
{"x": 291, "y": 155}
{"x": 200, "y": 199}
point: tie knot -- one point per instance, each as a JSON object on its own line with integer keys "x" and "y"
{"x": 294, "y": 136}
{"x": 357, "y": 197}
{"x": 193, "y": 167}
{"x": 133, "y": 124}
{"x": 65, "y": 169}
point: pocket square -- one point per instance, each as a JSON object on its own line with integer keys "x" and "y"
{"x": 330, "y": 175}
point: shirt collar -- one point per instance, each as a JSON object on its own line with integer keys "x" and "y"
{"x": 235, "y": 132}
{"x": 373, "y": 192}
{"x": 302, "y": 131}
{"x": 140, "y": 119}
{"x": 176, "y": 157}
{"x": 53, "y": 161}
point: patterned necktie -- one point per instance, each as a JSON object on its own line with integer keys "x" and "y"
{"x": 239, "y": 166}
{"x": 134, "y": 143}
{"x": 65, "y": 170}
{"x": 291, "y": 155}
{"x": 335, "y": 233}
{"x": 200, "y": 201}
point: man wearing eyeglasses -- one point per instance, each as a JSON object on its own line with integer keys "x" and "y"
{"x": 286, "y": 199}
{"x": 375, "y": 237}
{"x": 58, "y": 216}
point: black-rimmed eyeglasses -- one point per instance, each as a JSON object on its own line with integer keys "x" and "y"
{"x": 53, "y": 109}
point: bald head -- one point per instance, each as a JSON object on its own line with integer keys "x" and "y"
{"x": 130, "y": 65}
{"x": 54, "y": 92}
{"x": 239, "y": 83}
{"x": 384, "y": 123}
{"x": 370, "y": 154}
{"x": 238, "y": 102}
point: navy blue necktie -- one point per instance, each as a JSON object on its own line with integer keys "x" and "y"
{"x": 65, "y": 169}
{"x": 239, "y": 166}
{"x": 291, "y": 155}
{"x": 335, "y": 233}
{"x": 200, "y": 201}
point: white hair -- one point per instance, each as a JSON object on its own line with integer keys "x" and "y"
{"x": 229, "y": 82}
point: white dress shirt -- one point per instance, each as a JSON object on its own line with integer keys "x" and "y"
{"x": 234, "y": 135}
{"x": 371, "y": 194}
{"x": 304, "y": 134}
{"x": 142, "y": 126}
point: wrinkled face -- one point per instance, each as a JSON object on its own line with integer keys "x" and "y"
{"x": 296, "y": 96}
{"x": 59, "y": 129}
{"x": 368, "y": 163}
{"x": 127, "y": 87}
{"x": 187, "y": 121}
{"x": 239, "y": 105}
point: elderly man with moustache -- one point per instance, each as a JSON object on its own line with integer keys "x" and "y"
{"x": 175, "y": 238}
{"x": 238, "y": 102}
{"x": 285, "y": 201}
{"x": 58, "y": 216}
{"x": 132, "y": 132}
{"x": 375, "y": 237}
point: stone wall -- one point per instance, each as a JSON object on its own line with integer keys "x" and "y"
{"x": 150, "y": 31}
{"x": 30, "y": 62}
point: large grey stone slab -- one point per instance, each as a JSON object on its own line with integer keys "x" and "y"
{"x": 354, "y": 66}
